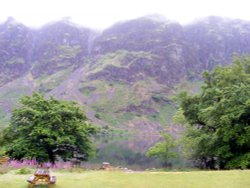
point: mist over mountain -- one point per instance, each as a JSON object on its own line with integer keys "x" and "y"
{"x": 125, "y": 76}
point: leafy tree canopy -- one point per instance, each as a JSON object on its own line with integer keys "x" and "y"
{"x": 218, "y": 134}
{"x": 163, "y": 150}
{"x": 46, "y": 129}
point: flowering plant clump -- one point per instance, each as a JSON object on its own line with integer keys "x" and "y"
{"x": 34, "y": 164}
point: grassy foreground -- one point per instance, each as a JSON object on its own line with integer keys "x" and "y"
{"x": 113, "y": 179}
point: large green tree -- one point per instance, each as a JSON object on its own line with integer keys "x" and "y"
{"x": 46, "y": 129}
{"x": 218, "y": 131}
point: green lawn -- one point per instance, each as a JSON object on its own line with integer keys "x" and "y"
{"x": 113, "y": 179}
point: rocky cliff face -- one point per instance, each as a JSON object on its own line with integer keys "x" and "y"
{"x": 58, "y": 46}
{"x": 126, "y": 75}
{"x": 217, "y": 40}
{"x": 15, "y": 41}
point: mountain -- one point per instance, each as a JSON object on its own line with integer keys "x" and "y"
{"x": 125, "y": 76}
{"x": 15, "y": 41}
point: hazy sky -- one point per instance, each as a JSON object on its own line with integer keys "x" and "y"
{"x": 103, "y": 13}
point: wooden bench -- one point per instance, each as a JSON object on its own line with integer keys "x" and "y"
{"x": 41, "y": 176}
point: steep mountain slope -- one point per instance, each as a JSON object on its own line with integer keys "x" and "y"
{"x": 124, "y": 77}
{"x": 164, "y": 42}
{"x": 15, "y": 41}
{"x": 58, "y": 46}
{"x": 216, "y": 40}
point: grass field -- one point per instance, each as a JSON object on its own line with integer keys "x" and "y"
{"x": 113, "y": 179}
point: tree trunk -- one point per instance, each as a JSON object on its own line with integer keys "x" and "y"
{"x": 51, "y": 156}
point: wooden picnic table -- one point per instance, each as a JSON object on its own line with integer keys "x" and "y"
{"x": 41, "y": 176}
